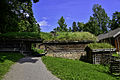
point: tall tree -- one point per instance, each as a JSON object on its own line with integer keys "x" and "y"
{"x": 101, "y": 17}
{"x": 115, "y": 22}
{"x": 70, "y": 29}
{"x": 80, "y": 26}
{"x": 14, "y": 13}
{"x": 74, "y": 26}
{"x": 62, "y": 25}
{"x": 92, "y": 26}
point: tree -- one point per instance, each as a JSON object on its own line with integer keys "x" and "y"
{"x": 80, "y": 26}
{"x": 74, "y": 26}
{"x": 115, "y": 22}
{"x": 14, "y": 13}
{"x": 62, "y": 25}
{"x": 92, "y": 26}
{"x": 70, "y": 29}
{"x": 101, "y": 17}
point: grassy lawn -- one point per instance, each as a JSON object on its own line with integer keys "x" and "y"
{"x": 66, "y": 69}
{"x": 6, "y": 60}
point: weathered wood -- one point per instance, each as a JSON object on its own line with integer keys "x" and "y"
{"x": 71, "y": 50}
{"x": 115, "y": 66}
{"x": 19, "y": 45}
{"x": 99, "y": 56}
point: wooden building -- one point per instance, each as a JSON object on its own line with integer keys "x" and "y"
{"x": 17, "y": 45}
{"x": 99, "y": 56}
{"x": 112, "y": 37}
{"x": 70, "y": 50}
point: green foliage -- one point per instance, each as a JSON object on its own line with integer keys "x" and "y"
{"x": 74, "y": 26}
{"x": 66, "y": 69}
{"x": 101, "y": 17}
{"x": 70, "y": 30}
{"x": 116, "y": 55}
{"x": 115, "y": 22}
{"x": 80, "y": 26}
{"x": 21, "y": 35}
{"x": 40, "y": 51}
{"x": 6, "y": 60}
{"x": 62, "y": 25}
{"x": 74, "y": 36}
{"x": 68, "y": 37}
{"x": 60, "y": 36}
{"x": 46, "y": 36}
{"x": 92, "y": 26}
{"x": 100, "y": 45}
{"x": 23, "y": 25}
{"x": 17, "y": 16}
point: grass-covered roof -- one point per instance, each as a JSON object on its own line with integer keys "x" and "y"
{"x": 48, "y": 37}
{"x": 100, "y": 46}
{"x": 21, "y": 35}
{"x": 69, "y": 37}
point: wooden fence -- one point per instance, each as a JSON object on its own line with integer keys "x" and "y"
{"x": 115, "y": 66}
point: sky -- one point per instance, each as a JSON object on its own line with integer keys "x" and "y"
{"x": 48, "y": 12}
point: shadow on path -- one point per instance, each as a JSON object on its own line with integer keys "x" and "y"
{"x": 27, "y": 60}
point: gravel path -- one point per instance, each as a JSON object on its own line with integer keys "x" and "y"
{"x": 29, "y": 68}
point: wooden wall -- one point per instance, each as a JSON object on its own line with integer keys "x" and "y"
{"x": 70, "y": 51}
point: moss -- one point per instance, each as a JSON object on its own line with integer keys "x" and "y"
{"x": 100, "y": 46}
{"x": 19, "y": 35}
{"x": 47, "y": 37}
{"x": 72, "y": 36}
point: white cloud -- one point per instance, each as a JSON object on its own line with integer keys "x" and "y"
{"x": 43, "y": 23}
{"x": 44, "y": 18}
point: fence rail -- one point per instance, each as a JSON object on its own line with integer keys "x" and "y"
{"x": 115, "y": 66}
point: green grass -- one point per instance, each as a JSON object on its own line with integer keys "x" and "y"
{"x": 71, "y": 36}
{"x": 40, "y": 51}
{"x": 6, "y": 60}
{"x": 116, "y": 55}
{"x": 66, "y": 69}
{"x": 100, "y": 45}
{"x": 47, "y": 37}
{"x": 20, "y": 35}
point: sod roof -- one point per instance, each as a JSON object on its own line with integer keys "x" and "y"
{"x": 70, "y": 37}
{"x": 47, "y": 37}
{"x": 100, "y": 46}
{"x": 20, "y": 35}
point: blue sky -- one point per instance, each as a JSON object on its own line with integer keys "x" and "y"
{"x": 48, "y": 12}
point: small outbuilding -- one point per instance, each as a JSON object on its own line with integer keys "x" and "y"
{"x": 99, "y": 53}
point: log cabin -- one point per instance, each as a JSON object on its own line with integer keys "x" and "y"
{"x": 112, "y": 37}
